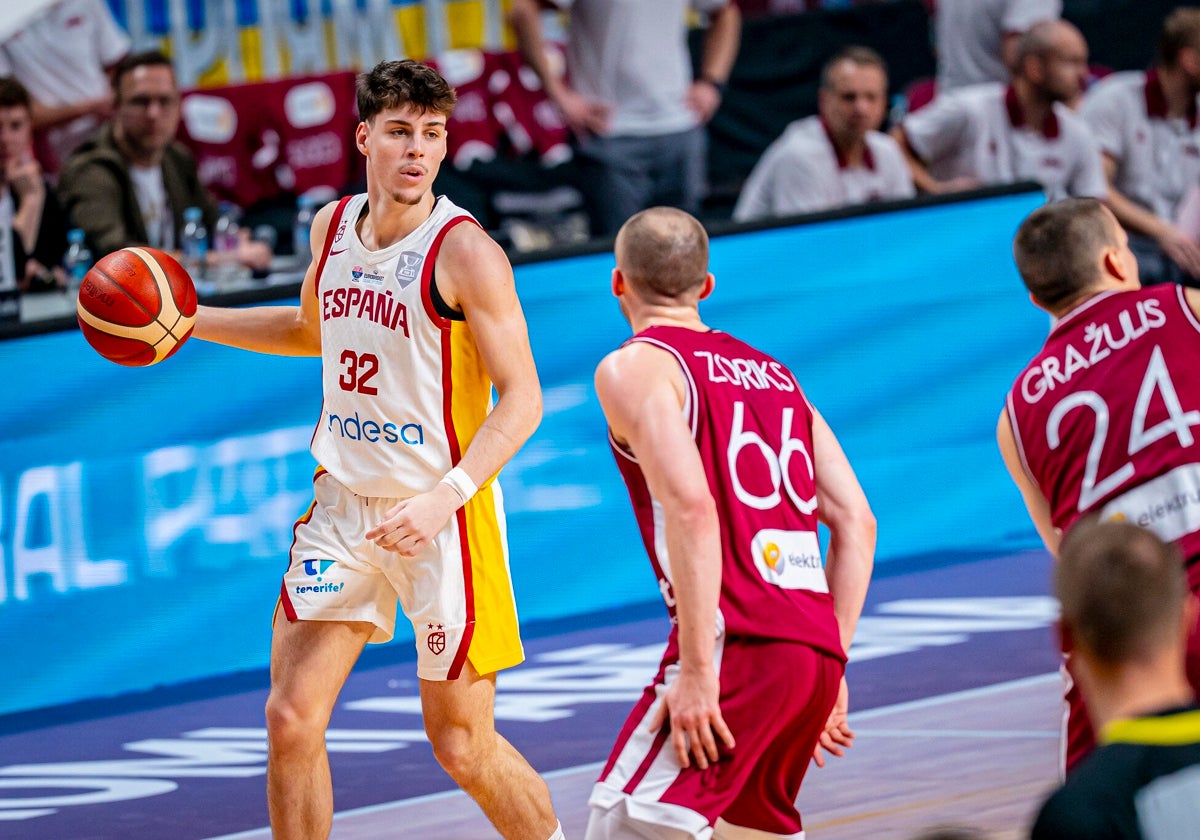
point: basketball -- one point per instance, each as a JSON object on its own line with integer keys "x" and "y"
{"x": 136, "y": 306}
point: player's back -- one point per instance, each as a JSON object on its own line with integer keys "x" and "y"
{"x": 753, "y": 430}
{"x": 1105, "y": 415}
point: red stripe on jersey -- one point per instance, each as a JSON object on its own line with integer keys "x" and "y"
{"x": 427, "y": 273}
{"x": 660, "y": 738}
{"x": 329, "y": 240}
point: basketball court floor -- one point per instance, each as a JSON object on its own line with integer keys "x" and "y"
{"x": 953, "y": 690}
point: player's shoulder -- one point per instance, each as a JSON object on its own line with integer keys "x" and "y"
{"x": 467, "y": 245}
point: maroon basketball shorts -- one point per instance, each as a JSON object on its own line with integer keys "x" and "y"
{"x": 775, "y": 697}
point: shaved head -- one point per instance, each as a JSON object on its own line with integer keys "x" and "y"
{"x": 663, "y": 253}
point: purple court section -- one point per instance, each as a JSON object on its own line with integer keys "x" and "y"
{"x": 199, "y": 766}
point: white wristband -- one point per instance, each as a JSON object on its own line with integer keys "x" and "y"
{"x": 460, "y": 483}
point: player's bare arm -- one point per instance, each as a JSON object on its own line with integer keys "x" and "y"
{"x": 474, "y": 276}
{"x": 279, "y": 330}
{"x": 1035, "y": 502}
{"x": 641, "y": 391}
{"x": 842, "y": 506}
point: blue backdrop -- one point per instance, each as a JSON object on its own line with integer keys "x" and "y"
{"x": 145, "y": 514}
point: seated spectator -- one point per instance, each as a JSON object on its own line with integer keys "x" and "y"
{"x": 1146, "y": 125}
{"x": 976, "y": 40}
{"x": 836, "y": 158}
{"x": 133, "y": 182}
{"x": 1126, "y": 616}
{"x": 38, "y": 221}
{"x": 63, "y": 55}
{"x": 997, "y": 134}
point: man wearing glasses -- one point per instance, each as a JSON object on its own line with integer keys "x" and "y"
{"x": 131, "y": 184}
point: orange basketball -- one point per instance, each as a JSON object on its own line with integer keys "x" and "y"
{"x": 136, "y": 306}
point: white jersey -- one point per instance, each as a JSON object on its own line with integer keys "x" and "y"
{"x": 801, "y": 172}
{"x": 1157, "y": 157}
{"x": 980, "y": 131}
{"x": 405, "y": 387}
{"x": 61, "y": 56}
{"x": 969, "y": 37}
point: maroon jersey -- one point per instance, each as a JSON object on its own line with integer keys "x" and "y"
{"x": 1105, "y": 416}
{"x": 753, "y": 429}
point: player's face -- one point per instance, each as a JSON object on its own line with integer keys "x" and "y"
{"x": 16, "y": 134}
{"x": 854, "y": 102}
{"x": 405, "y": 148}
{"x": 1065, "y": 68}
{"x": 148, "y": 108}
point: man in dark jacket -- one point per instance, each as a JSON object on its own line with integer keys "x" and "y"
{"x": 131, "y": 184}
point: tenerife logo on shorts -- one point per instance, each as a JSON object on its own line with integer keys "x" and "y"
{"x": 436, "y": 639}
{"x": 319, "y": 569}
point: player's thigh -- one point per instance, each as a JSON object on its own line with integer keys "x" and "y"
{"x": 310, "y": 661}
{"x": 459, "y": 709}
{"x": 802, "y": 684}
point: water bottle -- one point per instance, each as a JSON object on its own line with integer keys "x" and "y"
{"x": 226, "y": 272}
{"x": 77, "y": 261}
{"x": 306, "y": 209}
{"x": 194, "y": 245}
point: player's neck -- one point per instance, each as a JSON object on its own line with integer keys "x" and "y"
{"x": 388, "y": 221}
{"x": 1177, "y": 90}
{"x": 667, "y": 316}
{"x": 1137, "y": 689}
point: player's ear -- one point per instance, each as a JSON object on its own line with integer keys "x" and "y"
{"x": 707, "y": 288}
{"x": 360, "y": 136}
{"x": 618, "y": 283}
{"x": 1113, "y": 265}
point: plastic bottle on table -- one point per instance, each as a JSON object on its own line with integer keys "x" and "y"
{"x": 194, "y": 245}
{"x": 306, "y": 209}
{"x": 226, "y": 271}
{"x": 77, "y": 261}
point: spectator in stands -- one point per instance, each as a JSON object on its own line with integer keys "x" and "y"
{"x": 836, "y": 158}
{"x": 976, "y": 40}
{"x": 995, "y": 134}
{"x": 637, "y": 114}
{"x": 1126, "y": 615}
{"x": 63, "y": 54}
{"x": 38, "y": 221}
{"x": 132, "y": 183}
{"x": 1146, "y": 125}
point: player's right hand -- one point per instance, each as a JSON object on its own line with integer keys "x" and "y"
{"x": 692, "y": 702}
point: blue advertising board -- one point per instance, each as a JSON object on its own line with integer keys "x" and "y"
{"x": 145, "y": 514}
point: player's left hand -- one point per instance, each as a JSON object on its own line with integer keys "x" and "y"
{"x": 693, "y": 704}
{"x": 409, "y": 527}
{"x": 837, "y": 736}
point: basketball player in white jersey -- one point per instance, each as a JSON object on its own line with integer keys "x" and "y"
{"x": 413, "y": 309}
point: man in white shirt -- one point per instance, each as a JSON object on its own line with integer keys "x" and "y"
{"x": 997, "y": 134}
{"x": 836, "y": 158}
{"x": 1146, "y": 125}
{"x": 976, "y": 40}
{"x": 63, "y": 57}
{"x": 636, "y": 111}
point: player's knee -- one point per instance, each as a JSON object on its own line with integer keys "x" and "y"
{"x": 291, "y": 725}
{"x": 461, "y": 751}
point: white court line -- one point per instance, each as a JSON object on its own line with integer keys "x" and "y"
{"x": 924, "y": 703}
